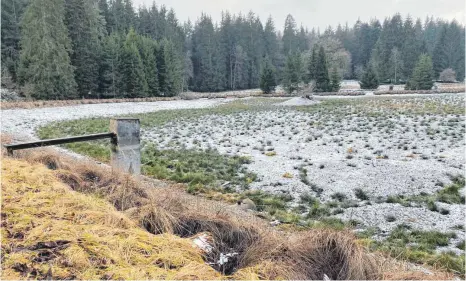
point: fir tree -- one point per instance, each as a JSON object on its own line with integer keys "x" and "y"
{"x": 267, "y": 78}
{"x": 422, "y": 77}
{"x": 322, "y": 79}
{"x": 369, "y": 79}
{"x": 46, "y": 71}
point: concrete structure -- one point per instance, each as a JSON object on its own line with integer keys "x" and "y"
{"x": 126, "y": 147}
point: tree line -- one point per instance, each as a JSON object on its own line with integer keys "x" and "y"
{"x": 62, "y": 49}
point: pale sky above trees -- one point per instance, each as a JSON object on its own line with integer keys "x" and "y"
{"x": 316, "y": 13}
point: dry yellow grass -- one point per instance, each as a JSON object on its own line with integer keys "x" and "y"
{"x": 49, "y": 230}
{"x": 80, "y": 220}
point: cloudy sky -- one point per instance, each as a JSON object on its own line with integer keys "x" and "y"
{"x": 316, "y": 13}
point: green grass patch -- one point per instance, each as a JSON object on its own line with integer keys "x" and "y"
{"x": 419, "y": 247}
{"x": 193, "y": 167}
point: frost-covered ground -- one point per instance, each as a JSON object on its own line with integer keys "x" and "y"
{"x": 385, "y": 147}
{"x": 23, "y": 122}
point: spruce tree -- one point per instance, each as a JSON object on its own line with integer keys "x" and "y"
{"x": 271, "y": 47}
{"x": 109, "y": 67}
{"x": 12, "y": 11}
{"x": 162, "y": 75}
{"x": 422, "y": 77}
{"x": 133, "y": 76}
{"x": 173, "y": 82}
{"x": 335, "y": 80}
{"x": 293, "y": 73}
{"x": 322, "y": 79}
{"x": 290, "y": 39}
{"x": 267, "y": 78}
{"x": 83, "y": 29}
{"x": 449, "y": 50}
{"x": 150, "y": 66}
{"x": 369, "y": 79}
{"x": 45, "y": 66}
{"x": 312, "y": 64}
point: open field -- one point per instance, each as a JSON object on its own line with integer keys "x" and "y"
{"x": 390, "y": 168}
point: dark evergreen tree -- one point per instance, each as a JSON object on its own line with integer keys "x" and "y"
{"x": 267, "y": 78}
{"x": 322, "y": 79}
{"x": 105, "y": 14}
{"x": 110, "y": 76}
{"x": 271, "y": 47}
{"x": 203, "y": 44}
{"x": 312, "y": 66}
{"x": 132, "y": 68}
{"x": 449, "y": 50}
{"x": 173, "y": 79}
{"x": 334, "y": 80}
{"x": 148, "y": 57}
{"x": 410, "y": 49}
{"x": 369, "y": 79}
{"x": 422, "y": 77}
{"x": 84, "y": 30}
{"x": 289, "y": 36}
{"x": 293, "y": 73}
{"x": 12, "y": 11}
{"x": 46, "y": 72}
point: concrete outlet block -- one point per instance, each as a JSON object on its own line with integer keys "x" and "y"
{"x": 126, "y": 147}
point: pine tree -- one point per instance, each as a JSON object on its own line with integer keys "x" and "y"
{"x": 46, "y": 71}
{"x": 133, "y": 76}
{"x": 267, "y": 78}
{"x": 322, "y": 79}
{"x": 334, "y": 80}
{"x": 369, "y": 79}
{"x": 422, "y": 77}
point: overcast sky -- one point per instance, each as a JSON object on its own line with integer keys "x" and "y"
{"x": 316, "y": 13}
